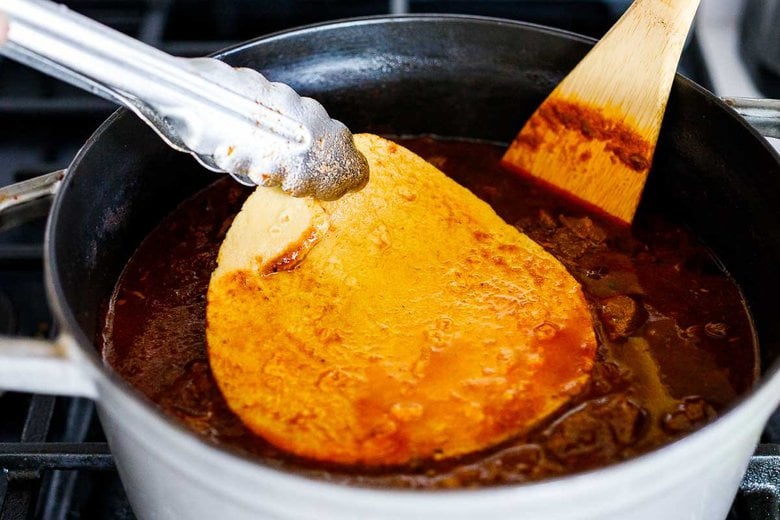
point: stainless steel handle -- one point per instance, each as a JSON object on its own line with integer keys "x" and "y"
{"x": 22, "y": 202}
{"x": 80, "y": 51}
{"x": 30, "y": 364}
{"x": 763, "y": 114}
{"x": 23, "y": 192}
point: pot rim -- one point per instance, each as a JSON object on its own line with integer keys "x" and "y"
{"x": 767, "y": 386}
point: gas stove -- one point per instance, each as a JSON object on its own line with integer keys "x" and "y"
{"x": 56, "y": 462}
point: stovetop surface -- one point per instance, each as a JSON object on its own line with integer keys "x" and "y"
{"x": 56, "y": 463}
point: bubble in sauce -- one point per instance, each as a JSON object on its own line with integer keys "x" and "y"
{"x": 406, "y": 412}
{"x": 546, "y": 331}
{"x": 407, "y": 194}
{"x": 380, "y": 237}
{"x": 385, "y": 427}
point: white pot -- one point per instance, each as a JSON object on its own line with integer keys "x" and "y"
{"x": 170, "y": 473}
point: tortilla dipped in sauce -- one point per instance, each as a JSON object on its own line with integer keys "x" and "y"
{"x": 402, "y": 322}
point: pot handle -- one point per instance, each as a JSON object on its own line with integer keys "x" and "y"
{"x": 29, "y": 364}
{"x": 762, "y": 114}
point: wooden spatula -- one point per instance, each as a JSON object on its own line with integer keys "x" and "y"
{"x": 593, "y": 138}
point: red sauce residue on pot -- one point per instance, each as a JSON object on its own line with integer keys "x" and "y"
{"x": 675, "y": 340}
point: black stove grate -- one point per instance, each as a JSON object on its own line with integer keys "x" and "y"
{"x": 759, "y": 495}
{"x": 56, "y": 463}
{"x": 59, "y": 444}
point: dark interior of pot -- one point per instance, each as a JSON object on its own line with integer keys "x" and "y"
{"x": 422, "y": 75}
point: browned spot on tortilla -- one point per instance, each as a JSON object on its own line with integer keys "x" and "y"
{"x": 293, "y": 255}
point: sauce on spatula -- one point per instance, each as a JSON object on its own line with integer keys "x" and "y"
{"x": 594, "y": 137}
{"x": 405, "y": 321}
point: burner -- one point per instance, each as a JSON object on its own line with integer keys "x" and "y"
{"x": 759, "y": 494}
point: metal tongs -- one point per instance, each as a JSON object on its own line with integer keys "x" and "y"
{"x": 230, "y": 119}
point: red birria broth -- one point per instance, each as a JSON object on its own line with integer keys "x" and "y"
{"x": 676, "y": 344}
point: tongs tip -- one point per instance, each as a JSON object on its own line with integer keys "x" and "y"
{"x": 332, "y": 167}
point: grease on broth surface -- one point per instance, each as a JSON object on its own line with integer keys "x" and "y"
{"x": 675, "y": 340}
